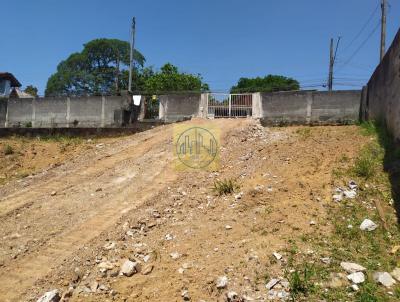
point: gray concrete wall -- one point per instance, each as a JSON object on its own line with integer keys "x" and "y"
{"x": 310, "y": 107}
{"x": 86, "y": 111}
{"x": 20, "y": 112}
{"x": 67, "y": 112}
{"x": 3, "y": 113}
{"x": 49, "y": 112}
{"x": 284, "y": 107}
{"x": 382, "y": 94}
{"x": 176, "y": 107}
{"x": 335, "y": 107}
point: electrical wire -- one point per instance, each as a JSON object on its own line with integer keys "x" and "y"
{"x": 362, "y": 28}
{"x": 361, "y": 46}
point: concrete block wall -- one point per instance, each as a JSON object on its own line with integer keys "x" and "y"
{"x": 381, "y": 96}
{"x": 310, "y": 107}
{"x": 49, "y": 112}
{"x": 335, "y": 107}
{"x": 174, "y": 107}
{"x": 284, "y": 107}
{"x": 3, "y": 112}
{"x": 94, "y": 111}
{"x": 19, "y": 113}
{"x": 86, "y": 111}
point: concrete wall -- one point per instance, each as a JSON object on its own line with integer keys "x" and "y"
{"x": 101, "y": 111}
{"x": 381, "y": 97}
{"x": 175, "y": 107}
{"x": 20, "y": 113}
{"x": 49, "y": 112}
{"x": 3, "y": 112}
{"x": 310, "y": 107}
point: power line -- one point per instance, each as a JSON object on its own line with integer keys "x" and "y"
{"x": 361, "y": 46}
{"x": 362, "y": 28}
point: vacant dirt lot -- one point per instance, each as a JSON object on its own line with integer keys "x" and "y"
{"x": 71, "y": 226}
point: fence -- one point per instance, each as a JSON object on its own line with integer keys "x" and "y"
{"x": 94, "y": 111}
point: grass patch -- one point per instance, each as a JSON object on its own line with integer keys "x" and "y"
{"x": 304, "y": 133}
{"x": 365, "y": 165}
{"x": 62, "y": 139}
{"x": 372, "y": 171}
{"x": 225, "y": 187}
{"x": 300, "y": 282}
{"x": 368, "y": 128}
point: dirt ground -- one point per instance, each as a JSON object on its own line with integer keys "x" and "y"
{"x": 100, "y": 203}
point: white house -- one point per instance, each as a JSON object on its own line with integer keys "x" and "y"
{"x": 7, "y": 83}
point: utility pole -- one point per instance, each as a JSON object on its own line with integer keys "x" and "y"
{"x": 133, "y": 30}
{"x": 331, "y": 62}
{"x": 383, "y": 28}
{"x": 332, "y": 59}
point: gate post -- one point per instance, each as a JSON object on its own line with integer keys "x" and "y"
{"x": 230, "y": 105}
{"x": 203, "y": 106}
{"x": 256, "y": 105}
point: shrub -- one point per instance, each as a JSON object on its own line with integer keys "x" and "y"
{"x": 225, "y": 187}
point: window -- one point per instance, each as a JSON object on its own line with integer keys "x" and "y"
{"x": 2, "y": 87}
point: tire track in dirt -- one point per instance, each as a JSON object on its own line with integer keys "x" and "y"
{"x": 129, "y": 177}
{"x": 66, "y": 176}
{"x": 23, "y": 271}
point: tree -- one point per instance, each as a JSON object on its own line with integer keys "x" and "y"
{"x": 100, "y": 68}
{"x": 169, "y": 79}
{"x": 266, "y": 84}
{"x": 32, "y": 90}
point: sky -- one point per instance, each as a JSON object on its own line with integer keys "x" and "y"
{"x": 223, "y": 40}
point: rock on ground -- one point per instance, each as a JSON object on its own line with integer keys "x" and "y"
{"x": 396, "y": 274}
{"x": 51, "y": 296}
{"x": 222, "y": 282}
{"x": 352, "y": 267}
{"x": 128, "y": 268}
{"x": 384, "y": 278}
{"x": 356, "y": 278}
{"x": 272, "y": 283}
{"x": 368, "y": 225}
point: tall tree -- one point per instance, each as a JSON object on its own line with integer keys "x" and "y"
{"x": 268, "y": 83}
{"x": 32, "y": 90}
{"x": 169, "y": 79}
{"x": 98, "y": 69}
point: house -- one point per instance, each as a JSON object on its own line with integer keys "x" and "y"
{"x": 7, "y": 83}
{"x": 17, "y": 93}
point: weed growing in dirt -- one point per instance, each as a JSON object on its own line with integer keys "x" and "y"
{"x": 62, "y": 139}
{"x": 225, "y": 187}
{"x": 300, "y": 282}
{"x": 8, "y": 150}
{"x": 368, "y": 128}
{"x": 367, "y": 293}
{"x": 372, "y": 172}
{"x": 368, "y": 161}
{"x": 304, "y": 133}
{"x": 364, "y": 166}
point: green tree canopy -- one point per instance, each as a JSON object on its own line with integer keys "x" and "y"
{"x": 169, "y": 79}
{"x": 32, "y": 90}
{"x": 100, "y": 68}
{"x": 266, "y": 84}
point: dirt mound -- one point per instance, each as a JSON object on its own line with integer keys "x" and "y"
{"x": 72, "y": 227}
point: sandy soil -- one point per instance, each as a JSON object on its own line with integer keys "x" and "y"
{"x": 120, "y": 200}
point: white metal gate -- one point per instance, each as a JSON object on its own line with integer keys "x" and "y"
{"x": 229, "y": 105}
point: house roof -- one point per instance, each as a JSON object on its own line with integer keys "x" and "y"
{"x": 11, "y": 78}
